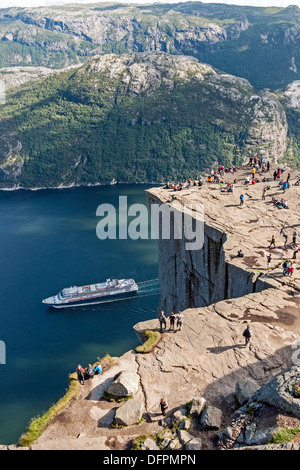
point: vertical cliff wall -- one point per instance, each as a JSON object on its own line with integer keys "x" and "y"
{"x": 198, "y": 278}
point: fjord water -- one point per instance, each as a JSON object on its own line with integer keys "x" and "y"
{"x": 48, "y": 241}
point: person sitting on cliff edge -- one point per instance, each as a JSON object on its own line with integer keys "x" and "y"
{"x": 90, "y": 372}
{"x": 98, "y": 368}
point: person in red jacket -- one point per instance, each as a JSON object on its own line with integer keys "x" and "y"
{"x": 80, "y": 374}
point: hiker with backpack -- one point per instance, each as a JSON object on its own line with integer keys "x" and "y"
{"x": 285, "y": 267}
{"x": 90, "y": 372}
{"x": 247, "y": 333}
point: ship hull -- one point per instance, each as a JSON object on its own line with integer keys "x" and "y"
{"x": 94, "y": 301}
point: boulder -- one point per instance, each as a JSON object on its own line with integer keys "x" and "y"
{"x": 125, "y": 385}
{"x": 244, "y": 389}
{"x": 185, "y": 424}
{"x": 211, "y": 418}
{"x": 180, "y": 414}
{"x": 149, "y": 444}
{"x": 279, "y": 392}
{"x": 198, "y": 405}
{"x": 174, "y": 444}
{"x": 194, "y": 444}
{"x": 130, "y": 413}
{"x": 165, "y": 442}
{"x": 184, "y": 437}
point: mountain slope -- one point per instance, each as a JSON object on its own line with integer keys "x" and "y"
{"x": 140, "y": 117}
{"x": 250, "y": 42}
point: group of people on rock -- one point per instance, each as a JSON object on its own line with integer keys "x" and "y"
{"x": 288, "y": 268}
{"x": 288, "y": 265}
{"x": 186, "y": 185}
{"x": 213, "y": 176}
{"x": 259, "y": 163}
{"x": 88, "y": 373}
{"x": 172, "y": 318}
{"x": 280, "y": 203}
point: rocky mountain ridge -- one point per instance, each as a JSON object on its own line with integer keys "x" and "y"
{"x": 247, "y": 42}
{"x": 131, "y": 27}
{"x": 188, "y": 112}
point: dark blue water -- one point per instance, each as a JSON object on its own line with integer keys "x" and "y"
{"x": 48, "y": 241}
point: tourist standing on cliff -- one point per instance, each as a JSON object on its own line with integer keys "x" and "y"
{"x": 291, "y": 269}
{"x": 80, "y": 374}
{"x": 162, "y": 320}
{"x": 269, "y": 259}
{"x": 295, "y": 234}
{"x": 247, "y": 333}
{"x": 285, "y": 267}
{"x": 284, "y": 234}
{"x": 273, "y": 241}
{"x": 163, "y": 406}
{"x": 179, "y": 320}
{"x": 296, "y": 249}
{"x": 172, "y": 321}
{"x": 241, "y": 199}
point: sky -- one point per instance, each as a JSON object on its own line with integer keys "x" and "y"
{"x": 35, "y": 3}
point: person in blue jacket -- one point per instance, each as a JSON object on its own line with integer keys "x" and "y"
{"x": 98, "y": 369}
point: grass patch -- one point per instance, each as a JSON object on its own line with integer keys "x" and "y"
{"x": 139, "y": 441}
{"x": 39, "y": 424}
{"x": 296, "y": 388}
{"x": 284, "y": 435}
{"x": 111, "y": 397}
{"x": 116, "y": 425}
{"x": 153, "y": 338}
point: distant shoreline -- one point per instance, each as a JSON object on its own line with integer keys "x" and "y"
{"x": 88, "y": 185}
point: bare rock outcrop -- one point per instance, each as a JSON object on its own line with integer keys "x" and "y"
{"x": 279, "y": 392}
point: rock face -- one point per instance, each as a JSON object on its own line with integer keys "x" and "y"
{"x": 84, "y": 30}
{"x": 16, "y": 76}
{"x": 59, "y": 36}
{"x": 257, "y": 421}
{"x": 203, "y": 277}
{"x": 193, "y": 444}
{"x": 279, "y": 392}
{"x": 198, "y": 277}
{"x": 211, "y": 418}
{"x": 244, "y": 389}
{"x": 197, "y": 407}
{"x": 125, "y": 385}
